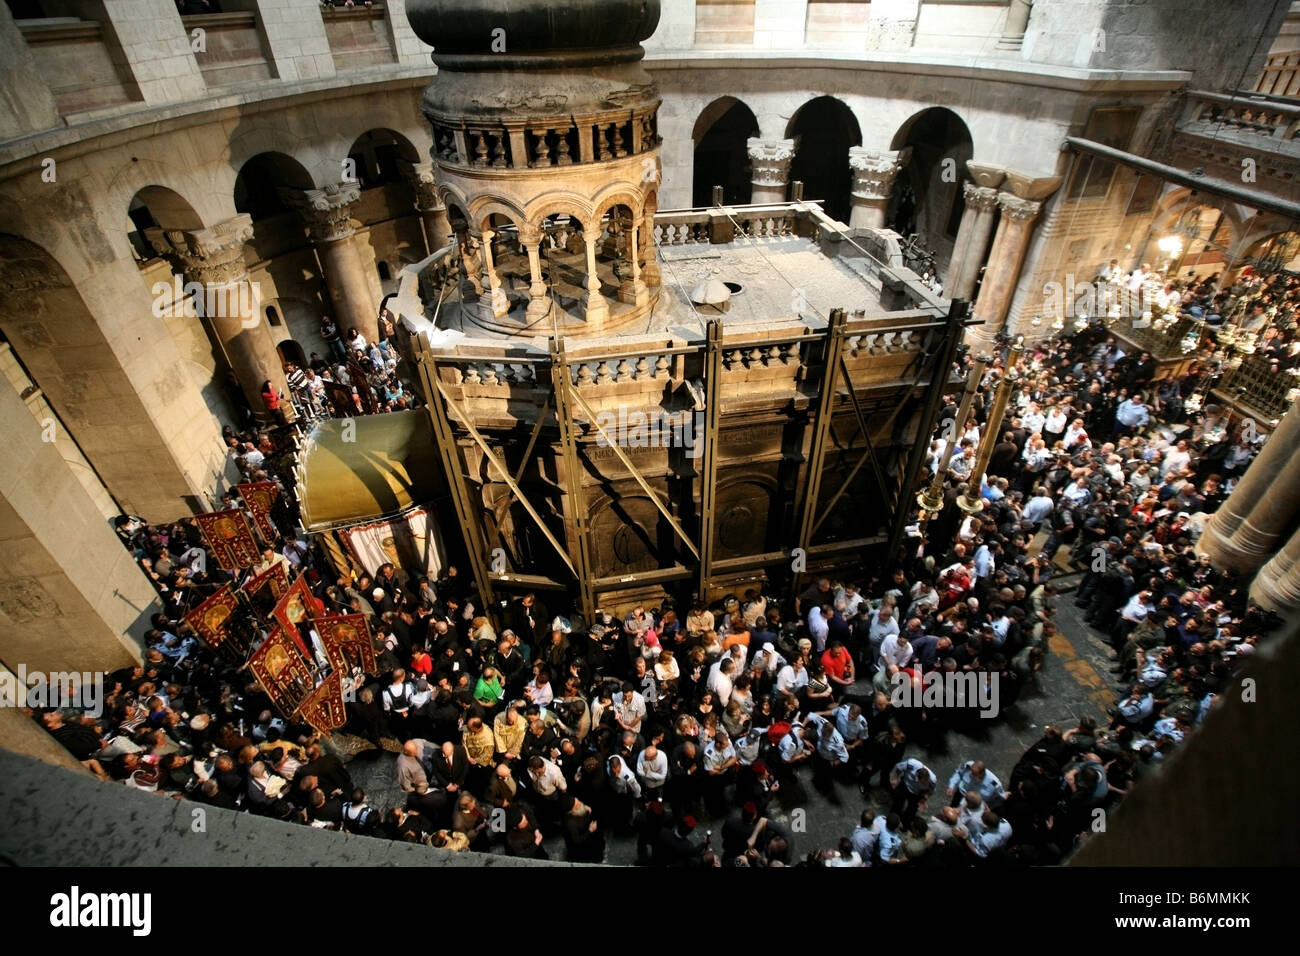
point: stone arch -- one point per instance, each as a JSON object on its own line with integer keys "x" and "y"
{"x": 721, "y": 153}
{"x": 259, "y": 179}
{"x": 824, "y": 129}
{"x": 157, "y": 207}
{"x": 568, "y": 204}
{"x": 1183, "y": 207}
{"x": 928, "y": 199}
{"x": 379, "y": 155}
{"x": 483, "y": 208}
{"x": 618, "y": 196}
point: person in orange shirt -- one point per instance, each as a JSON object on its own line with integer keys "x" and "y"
{"x": 739, "y": 634}
{"x": 838, "y": 665}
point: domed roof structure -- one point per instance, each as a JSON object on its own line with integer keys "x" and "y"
{"x": 458, "y": 29}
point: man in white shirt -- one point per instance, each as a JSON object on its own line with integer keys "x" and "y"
{"x": 792, "y": 678}
{"x": 1177, "y": 459}
{"x": 895, "y": 652}
{"x": 629, "y": 709}
{"x": 652, "y": 769}
{"x": 883, "y": 625}
{"x": 720, "y": 681}
{"x": 819, "y": 625}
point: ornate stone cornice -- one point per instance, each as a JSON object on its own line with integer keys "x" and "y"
{"x": 1017, "y": 209}
{"x": 326, "y": 211}
{"x": 874, "y": 170}
{"x": 981, "y": 198}
{"x": 424, "y": 182}
{"x": 212, "y": 256}
{"x": 770, "y": 159}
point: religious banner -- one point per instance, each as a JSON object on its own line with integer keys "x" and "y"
{"x": 230, "y": 538}
{"x": 259, "y": 497}
{"x": 209, "y": 619}
{"x": 324, "y": 708}
{"x": 265, "y": 590}
{"x": 347, "y": 641}
{"x": 296, "y": 608}
{"x": 283, "y": 670}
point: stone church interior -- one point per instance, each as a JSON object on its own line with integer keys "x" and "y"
{"x": 649, "y": 432}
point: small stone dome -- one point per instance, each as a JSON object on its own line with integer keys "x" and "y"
{"x": 502, "y": 28}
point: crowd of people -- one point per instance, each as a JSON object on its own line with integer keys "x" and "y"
{"x": 550, "y": 736}
{"x": 369, "y": 373}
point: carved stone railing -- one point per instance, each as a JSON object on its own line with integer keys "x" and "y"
{"x": 1258, "y": 116}
{"x": 563, "y": 141}
{"x": 682, "y": 228}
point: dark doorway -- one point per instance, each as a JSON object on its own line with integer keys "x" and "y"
{"x": 721, "y": 137}
{"x": 824, "y": 129}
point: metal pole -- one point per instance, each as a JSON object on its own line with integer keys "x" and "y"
{"x": 821, "y": 432}
{"x": 971, "y": 501}
{"x": 708, "y": 471}
{"x": 467, "y": 511}
{"x": 577, "y": 503}
{"x": 931, "y": 500}
{"x": 957, "y": 315}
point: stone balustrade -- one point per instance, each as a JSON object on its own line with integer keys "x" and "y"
{"x": 568, "y": 141}
{"x": 1257, "y": 115}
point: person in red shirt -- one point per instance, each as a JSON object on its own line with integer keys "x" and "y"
{"x": 422, "y": 663}
{"x": 838, "y": 665}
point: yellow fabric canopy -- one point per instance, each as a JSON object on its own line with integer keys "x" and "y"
{"x": 387, "y": 464}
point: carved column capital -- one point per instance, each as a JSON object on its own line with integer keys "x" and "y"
{"x": 770, "y": 159}
{"x": 424, "y": 181}
{"x": 1017, "y": 209}
{"x": 874, "y": 170}
{"x": 213, "y": 256}
{"x": 980, "y": 198}
{"x": 326, "y": 211}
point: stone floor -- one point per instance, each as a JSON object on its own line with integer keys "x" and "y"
{"x": 1075, "y": 681}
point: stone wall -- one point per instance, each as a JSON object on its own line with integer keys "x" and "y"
{"x": 1223, "y": 44}
{"x": 71, "y": 597}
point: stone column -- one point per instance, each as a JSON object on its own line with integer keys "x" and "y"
{"x": 1241, "y": 533}
{"x": 597, "y": 309}
{"x": 328, "y": 215}
{"x": 230, "y": 304}
{"x": 1277, "y": 586}
{"x": 1013, "y": 30}
{"x": 433, "y": 214}
{"x": 1009, "y": 246}
{"x": 633, "y": 289}
{"x": 973, "y": 237}
{"x": 874, "y": 173}
{"x": 539, "y": 302}
{"x": 496, "y": 299}
{"x": 650, "y": 249}
{"x": 770, "y": 160}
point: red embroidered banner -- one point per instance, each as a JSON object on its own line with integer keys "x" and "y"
{"x": 258, "y": 497}
{"x": 347, "y": 641}
{"x": 283, "y": 670}
{"x": 296, "y": 607}
{"x": 209, "y": 618}
{"x": 230, "y": 538}
{"x": 324, "y": 707}
{"x": 265, "y": 590}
